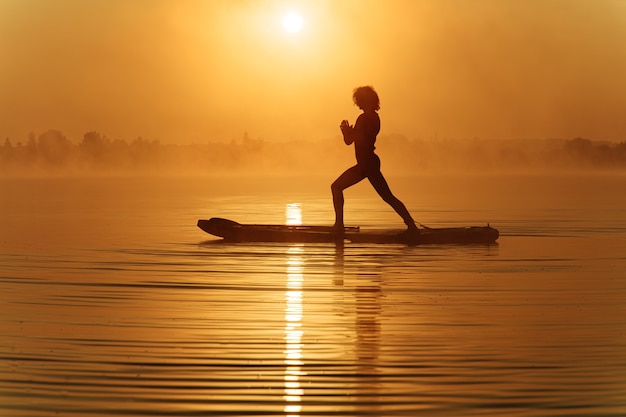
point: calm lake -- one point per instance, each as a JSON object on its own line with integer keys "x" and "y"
{"x": 113, "y": 302}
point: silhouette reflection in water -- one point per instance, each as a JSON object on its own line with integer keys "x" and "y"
{"x": 359, "y": 300}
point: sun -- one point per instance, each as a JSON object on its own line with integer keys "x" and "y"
{"x": 292, "y": 22}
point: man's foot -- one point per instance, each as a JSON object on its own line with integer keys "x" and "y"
{"x": 412, "y": 229}
{"x": 411, "y": 234}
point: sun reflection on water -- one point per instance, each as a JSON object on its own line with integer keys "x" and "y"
{"x": 293, "y": 332}
{"x": 293, "y": 320}
{"x": 293, "y": 213}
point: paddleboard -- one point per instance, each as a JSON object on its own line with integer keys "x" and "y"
{"x": 233, "y": 231}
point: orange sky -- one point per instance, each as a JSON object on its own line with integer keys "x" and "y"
{"x": 195, "y": 71}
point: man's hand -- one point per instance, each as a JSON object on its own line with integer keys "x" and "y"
{"x": 347, "y": 131}
{"x": 345, "y": 127}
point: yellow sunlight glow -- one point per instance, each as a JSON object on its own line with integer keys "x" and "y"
{"x": 292, "y": 22}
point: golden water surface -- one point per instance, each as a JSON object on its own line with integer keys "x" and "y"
{"x": 112, "y": 302}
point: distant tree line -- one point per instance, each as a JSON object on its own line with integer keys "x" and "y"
{"x": 52, "y": 152}
{"x": 599, "y": 155}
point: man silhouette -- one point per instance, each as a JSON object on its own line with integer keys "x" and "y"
{"x": 363, "y": 135}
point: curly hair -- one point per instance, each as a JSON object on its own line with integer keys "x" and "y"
{"x": 366, "y": 97}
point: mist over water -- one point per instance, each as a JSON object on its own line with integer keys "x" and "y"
{"x": 52, "y": 153}
{"x": 115, "y": 303}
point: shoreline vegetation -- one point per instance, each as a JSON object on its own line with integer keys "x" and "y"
{"x": 52, "y": 153}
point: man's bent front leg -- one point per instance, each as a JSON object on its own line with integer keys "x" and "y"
{"x": 338, "y": 203}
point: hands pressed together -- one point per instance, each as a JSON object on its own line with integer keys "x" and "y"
{"x": 345, "y": 126}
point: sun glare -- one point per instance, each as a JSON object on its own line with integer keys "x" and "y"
{"x": 292, "y": 22}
